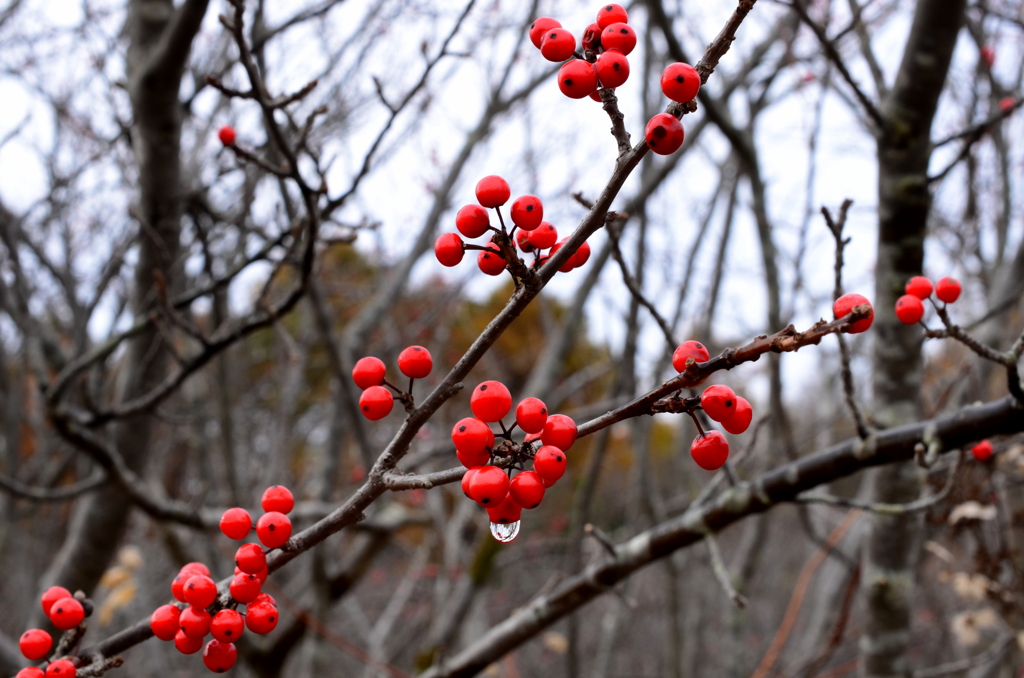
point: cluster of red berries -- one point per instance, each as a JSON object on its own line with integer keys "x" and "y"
{"x": 910, "y": 307}
{"x": 846, "y": 303}
{"x": 369, "y": 374}
{"x": 493, "y": 487}
{"x": 533, "y": 234}
{"x": 982, "y": 451}
{"x": 64, "y": 611}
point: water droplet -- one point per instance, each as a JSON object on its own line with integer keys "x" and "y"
{"x": 505, "y": 533}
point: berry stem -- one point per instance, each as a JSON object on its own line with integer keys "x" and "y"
{"x": 410, "y": 385}
{"x": 696, "y": 423}
{"x": 501, "y": 220}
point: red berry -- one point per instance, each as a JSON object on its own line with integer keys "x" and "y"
{"x": 467, "y": 478}
{"x": 582, "y": 255}
{"x": 472, "y": 220}
{"x": 527, "y": 212}
{"x": 273, "y": 529}
{"x": 680, "y": 82}
{"x": 981, "y": 451}
{"x": 35, "y": 643}
{"x": 947, "y": 289}
{"x": 619, "y": 37}
{"x": 592, "y": 38}
{"x": 710, "y": 450}
{"x": 245, "y": 587}
{"x": 472, "y": 436}
{"x": 250, "y": 558}
{"x": 277, "y": 498}
{"x": 236, "y": 523}
{"x": 262, "y": 575}
{"x": 376, "y": 403}
{"x": 570, "y": 263}
{"x": 544, "y": 236}
{"x": 490, "y": 401}
{"x": 195, "y": 622}
{"x": 52, "y": 595}
{"x": 415, "y": 362}
{"x": 187, "y": 644}
{"x": 919, "y": 286}
{"x": 261, "y": 619}
{"x": 62, "y": 668}
{"x": 549, "y": 463}
{"x": 369, "y": 371}
{"x": 1007, "y": 103}
{"x": 195, "y": 568}
{"x": 30, "y": 672}
{"x": 909, "y": 309}
{"x": 164, "y": 622}
{"x": 844, "y": 304}
{"x": 664, "y": 134}
{"x": 227, "y": 626}
{"x": 539, "y": 27}
{"x": 577, "y": 79}
{"x": 492, "y": 191}
{"x": 740, "y": 420}
{"x": 449, "y": 249}
{"x": 557, "y": 44}
{"x": 178, "y": 586}
{"x": 531, "y": 415}
{"x": 67, "y": 613}
{"x": 560, "y": 431}
{"x": 200, "y": 591}
{"x": 506, "y": 512}
{"x": 612, "y": 69}
{"x": 265, "y": 598}
{"x": 689, "y": 349}
{"x": 490, "y": 260}
{"x": 988, "y": 55}
{"x": 226, "y": 134}
{"x": 718, "y": 402}
{"x": 523, "y": 240}
{"x": 526, "y": 490}
{"x": 219, "y": 656}
{"x": 611, "y": 14}
{"x": 488, "y": 486}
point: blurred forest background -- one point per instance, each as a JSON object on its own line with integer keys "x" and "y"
{"x": 164, "y": 297}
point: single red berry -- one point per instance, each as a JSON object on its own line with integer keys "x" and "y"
{"x": 550, "y": 463}
{"x": 844, "y": 304}
{"x": 557, "y": 44}
{"x": 164, "y": 622}
{"x": 577, "y": 78}
{"x": 947, "y": 289}
{"x": 245, "y": 587}
{"x": 376, "y": 402}
{"x": 273, "y": 529}
{"x": 472, "y": 436}
{"x": 265, "y": 598}
{"x": 250, "y": 558}
{"x": 488, "y": 486}
{"x": 369, "y": 371}
{"x": 919, "y": 286}
{"x": 612, "y": 14}
{"x": 523, "y": 240}
{"x": 740, "y": 420}
{"x": 415, "y": 362}
{"x": 612, "y": 69}
{"x": 226, "y": 134}
{"x": 526, "y": 490}
{"x": 472, "y": 220}
{"x": 988, "y": 55}
{"x": 531, "y": 415}
{"x": 664, "y": 134}
{"x": 569, "y": 263}
{"x": 261, "y": 619}
{"x": 62, "y": 668}
{"x": 560, "y": 431}
{"x": 718, "y": 402}
{"x": 186, "y": 644}
{"x": 710, "y": 450}
{"x": 449, "y": 249}
{"x": 527, "y": 212}
{"x": 492, "y": 191}
{"x": 227, "y": 626}
{"x": 982, "y": 452}
{"x": 582, "y": 255}
{"x": 1006, "y": 104}
{"x": 195, "y": 622}
{"x": 490, "y": 401}
{"x": 544, "y": 236}
{"x": 35, "y": 643}
{"x": 277, "y": 498}
{"x": 490, "y": 260}
{"x": 539, "y": 27}
{"x": 236, "y": 523}
{"x": 178, "y": 586}
{"x": 195, "y": 568}
{"x": 592, "y": 38}
{"x": 52, "y": 595}
{"x": 67, "y": 613}
{"x": 467, "y": 477}
{"x": 619, "y": 37}
{"x": 909, "y": 309}
{"x": 219, "y": 656}
{"x": 680, "y": 82}
{"x": 30, "y": 672}
{"x": 506, "y": 512}
{"x": 689, "y": 349}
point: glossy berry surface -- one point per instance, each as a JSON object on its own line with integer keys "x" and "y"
{"x": 539, "y": 27}
{"x": 164, "y": 622}
{"x": 550, "y": 463}
{"x": 619, "y": 37}
{"x": 226, "y": 134}
{"x": 948, "y": 289}
{"x": 200, "y": 591}
{"x": 492, "y": 191}
{"x": 490, "y": 260}
{"x": 265, "y": 598}
{"x": 227, "y": 626}
{"x": 219, "y": 656}
{"x": 195, "y": 622}
{"x": 67, "y": 613}
{"x": 187, "y": 644}
{"x": 251, "y": 559}
{"x": 472, "y": 436}
{"x": 846, "y": 303}
{"x": 710, "y": 450}
{"x": 527, "y": 212}
{"x": 919, "y": 286}
{"x": 506, "y": 512}
{"x": 35, "y": 643}
{"x": 982, "y": 451}
{"x": 526, "y": 490}
{"x": 544, "y": 236}
{"x": 368, "y": 371}
{"x": 718, "y": 402}
{"x": 449, "y": 249}
{"x": 273, "y": 529}
{"x": 277, "y": 498}
{"x": 611, "y": 14}
{"x": 577, "y": 79}
{"x": 261, "y": 618}
{"x": 909, "y": 309}
{"x": 592, "y": 38}
{"x": 689, "y": 349}
{"x": 415, "y": 362}
{"x": 467, "y": 478}
{"x": 582, "y": 255}
{"x": 62, "y": 668}
{"x": 531, "y": 415}
{"x": 472, "y": 221}
{"x": 490, "y": 401}
{"x": 236, "y": 523}
{"x": 376, "y": 402}
{"x": 680, "y": 82}
{"x": 664, "y": 134}
{"x": 245, "y": 587}
{"x": 196, "y": 568}
{"x": 523, "y": 241}
{"x": 569, "y": 263}
{"x": 51, "y": 596}
{"x": 489, "y": 486}
{"x": 560, "y": 431}
{"x": 739, "y": 422}
{"x": 612, "y": 69}
{"x": 178, "y": 586}
{"x": 30, "y": 672}
{"x": 557, "y": 44}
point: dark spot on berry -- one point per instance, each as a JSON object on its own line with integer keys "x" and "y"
{"x": 624, "y": 31}
{"x": 60, "y": 610}
{"x": 608, "y": 8}
{"x": 366, "y": 408}
{"x": 699, "y": 346}
{"x": 559, "y": 458}
{"x": 660, "y": 132}
{"x": 485, "y": 500}
{"x": 553, "y": 35}
{"x": 728, "y": 403}
{"x": 615, "y": 66}
{"x": 529, "y": 208}
{"x": 483, "y": 387}
{"x": 462, "y": 428}
{"x": 270, "y": 618}
{"x": 679, "y": 78}
{"x": 568, "y": 82}
{"x": 227, "y": 632}
{"x": 417, "y": 348}
{"x": 271, "y": 527}
{"x": 532, "y": 25}
{"x": 543, "y": 410}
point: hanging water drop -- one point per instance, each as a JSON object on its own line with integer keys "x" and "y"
{"x": 505, "y": 532}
